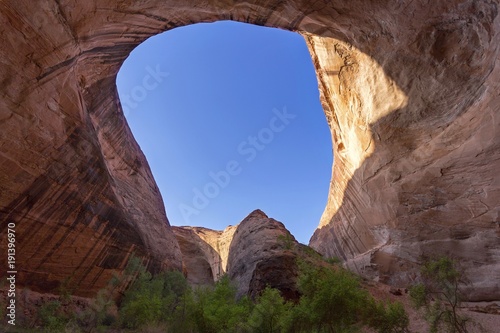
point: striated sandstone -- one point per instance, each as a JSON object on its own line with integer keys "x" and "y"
{"x": 410, "y": 91}
{"x": 416, "y": 145}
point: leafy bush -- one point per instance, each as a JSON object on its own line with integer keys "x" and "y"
{"x": 218, "y": 310}
{"x": 287, "y": 241}
{"x": 151, "y": 300}
{"x": 333, "y": 301}
{"x": 309, "y": 251}
{"x": 269, "y": 313}
{"x": 51, "y": 317}
{"x": 386, "y": 318}
{"x": 101, "y": 313}
{"x": 334, "y": 260}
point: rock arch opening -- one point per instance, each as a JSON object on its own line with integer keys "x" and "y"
{"x": 229, "y": 116}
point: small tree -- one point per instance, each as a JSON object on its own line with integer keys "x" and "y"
{"x": 153, "y": 300}
{"x": 333, "y": 300}
{"x": 386, "y": 317}
{"x": 218, "y": 310}
{"x": 269, "y": 312}
{"x": 440, "y": 295}
{"x": 52, "y": 318}
{"x": 287, "y": 241}
{"x": 142, "y": 303}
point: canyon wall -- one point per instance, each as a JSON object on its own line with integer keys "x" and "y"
{"x": 410, "y": 90}
{"x": 417, "y": 150}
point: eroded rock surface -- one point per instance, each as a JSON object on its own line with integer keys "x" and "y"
{"x": 260, "y": 255}
{"x": 279, "y": 271}
{"x": 417, "y": 150}
{"x": 410, "y": 91}
{"x": 256, "y": 253}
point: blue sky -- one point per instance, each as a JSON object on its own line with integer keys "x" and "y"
{"x": 229, "y": 118}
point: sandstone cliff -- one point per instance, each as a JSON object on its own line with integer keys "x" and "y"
{"x": 256, "y": 253}
{"x": 416, "y": 145}
{"x": 204, "y": 252}
{"x": 410, "y": 90}
{"x": 258, "y": 258}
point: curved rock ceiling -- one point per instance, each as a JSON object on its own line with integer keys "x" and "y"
{"x": 410, "y": 91}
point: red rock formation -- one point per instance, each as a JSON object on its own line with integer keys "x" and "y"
{"x": 414, "y": 128}
{"x": 197, "y": 268}
{"x": 410, "y": 91}
{"x": 279, "y": 271}
{"x": 258, "y": 258}
{"x": 250, "y": 253}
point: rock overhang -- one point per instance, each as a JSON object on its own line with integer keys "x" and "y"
{"x": 410, "y": 93}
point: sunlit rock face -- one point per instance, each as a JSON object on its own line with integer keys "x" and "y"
{"x": 410, "y": 91}
{"x": 414, "y": 120}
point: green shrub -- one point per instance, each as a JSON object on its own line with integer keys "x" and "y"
{"x": 150, "y": 300}
{"x": 386, "y": 317}
{"x": 287, "y": 241}
{"x": 333, "y": 300}
{"x": 217, "y": 310}
{"x": 311, "y": 252}
{"x": 140, "y": 310}
{"x": 269, "y": 313}
{"x": 334, "y": 260}
{"x": 65, "y": 290}
{"x": 51, "y": 317}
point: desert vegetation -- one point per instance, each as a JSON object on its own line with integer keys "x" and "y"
{"x": 332, "y": 300}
